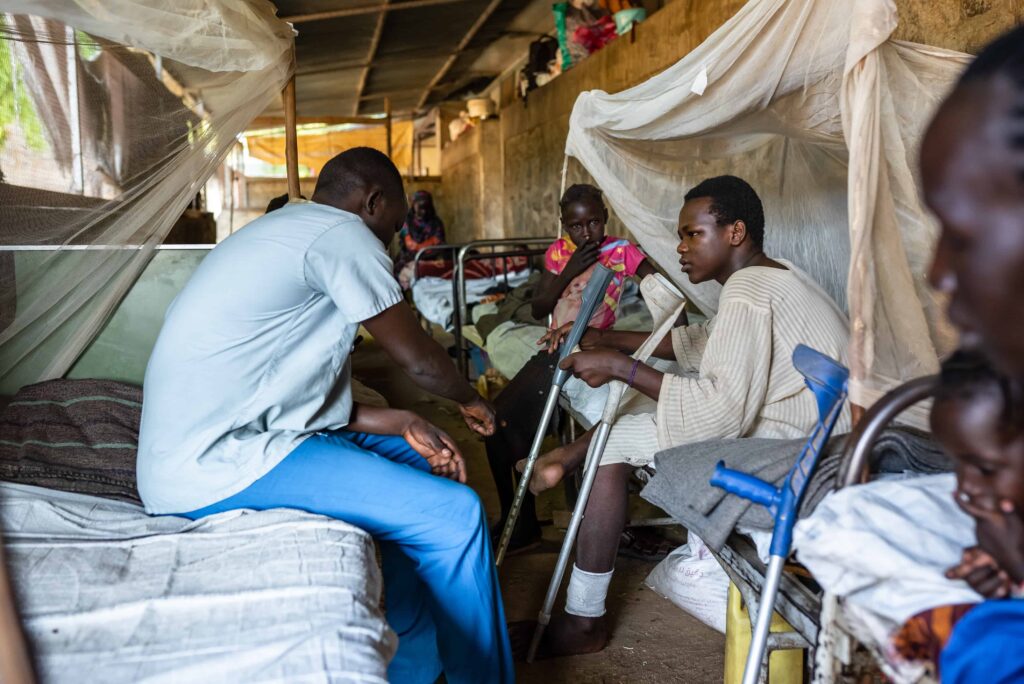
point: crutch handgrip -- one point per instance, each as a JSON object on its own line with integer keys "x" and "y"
{"x": 594, "y": 292}
{"x": 746, "y": 486}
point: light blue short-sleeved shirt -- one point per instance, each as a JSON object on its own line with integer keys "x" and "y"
{"x": 253, "y": 356}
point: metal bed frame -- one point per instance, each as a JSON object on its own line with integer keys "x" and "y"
{"x": 459, "y": 281}
{"x": 811, "y": 613}
{"x": 460, "y": 255}
{"x": 836, "y": 648}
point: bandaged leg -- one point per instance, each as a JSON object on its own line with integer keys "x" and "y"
{"x": 587, "y": 592}
{"x": 633, "y": 442}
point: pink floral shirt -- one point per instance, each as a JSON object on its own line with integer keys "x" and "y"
{"x": 618, "y": 254}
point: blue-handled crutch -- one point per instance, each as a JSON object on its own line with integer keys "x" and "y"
{"x": 827, "y": 380}
{"x": 593, "y": 294}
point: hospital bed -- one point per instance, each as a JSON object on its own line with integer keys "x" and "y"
{"x": 837, "y": 652}
{"x": 440, "y": 300}
{"x": 110, "y": 594}
{"x": 446, "y": 301}
{"x": 812, "y": 614}
{"x": 517, "y": 247}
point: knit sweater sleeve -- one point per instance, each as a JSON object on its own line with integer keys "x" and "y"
{"x": 726, "y": 397}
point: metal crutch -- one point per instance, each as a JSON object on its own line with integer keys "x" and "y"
{"x": 593, "y": 295}
{"x": 827, "y": 380}
{"x": 615, "y": 391}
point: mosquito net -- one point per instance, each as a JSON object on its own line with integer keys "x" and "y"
{"x": 813, "y": 104}
{"x": 112, "y": 116}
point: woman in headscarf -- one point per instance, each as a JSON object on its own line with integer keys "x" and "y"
{"x": 423, "y": 228}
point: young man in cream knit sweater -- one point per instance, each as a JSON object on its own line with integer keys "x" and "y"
{"x": 738, "y": 381}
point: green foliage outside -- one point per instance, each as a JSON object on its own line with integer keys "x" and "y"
{"x": 88, "y": 48}
{"x": 16, "y": 106}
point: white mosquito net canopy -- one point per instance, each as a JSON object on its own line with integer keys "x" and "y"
{"x": 814, "y": 104}
{"x": 113, "y": 115}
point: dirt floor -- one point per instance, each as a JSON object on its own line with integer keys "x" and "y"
{"x": 653, "y": 641}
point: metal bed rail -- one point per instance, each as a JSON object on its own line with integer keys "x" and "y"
{"x": 460, "y": 307}
{"x": 809, "y": 612}
{"x": 428, "y": 250}
{"x": 416, "y": 275}
{"x": 856, "y": 457}
{"x": 835, "y": 647}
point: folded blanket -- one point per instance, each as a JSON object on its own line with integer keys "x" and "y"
{"x": 73, "y": 435}
{"x": 681, "y": 483}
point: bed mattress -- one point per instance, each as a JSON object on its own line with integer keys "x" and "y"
{"x": 433, "y": 296}
{"x": 110, "y": 594}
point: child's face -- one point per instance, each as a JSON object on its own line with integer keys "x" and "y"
{"x": 989, "y": 462}
{"x": 584, "y": 222}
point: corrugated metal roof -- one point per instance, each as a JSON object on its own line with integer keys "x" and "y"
{"x": 415, "y": 52}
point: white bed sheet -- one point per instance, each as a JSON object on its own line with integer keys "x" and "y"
{"x": 886, "y": 545}
{"x": 883, "y": 549}
{"x": 109, "y": 594}
{"x": 433, "y": 296}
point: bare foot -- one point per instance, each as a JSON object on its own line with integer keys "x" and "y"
{"x": 548, "y": 471}
{"x": 567, "y": 635}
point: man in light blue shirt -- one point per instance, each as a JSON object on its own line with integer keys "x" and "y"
{"x": 248, "y": 404}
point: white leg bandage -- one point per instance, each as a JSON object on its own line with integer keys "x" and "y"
{"x": 587, "y": 592}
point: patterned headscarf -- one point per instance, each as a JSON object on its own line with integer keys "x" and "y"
{"x": 430, "y": 228}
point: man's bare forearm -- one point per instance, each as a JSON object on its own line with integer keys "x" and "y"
{"x": 421, "y": 358}
{"x": 377, "y": 420}
{"x": 627, "y": 342}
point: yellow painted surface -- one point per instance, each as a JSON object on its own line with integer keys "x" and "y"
{"x": 785, "y": 667}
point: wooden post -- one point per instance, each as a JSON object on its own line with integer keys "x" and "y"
{"x": 387, "y": 123}
{"x": 439, "y": 139}
{"x": 412, "y": 155}
{"x": 291, "y": 140}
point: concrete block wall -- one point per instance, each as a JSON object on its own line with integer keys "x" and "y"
{"x": 964, "y": 25}
{"x": 534, "y": 131}
{"x": 471, "y": 184}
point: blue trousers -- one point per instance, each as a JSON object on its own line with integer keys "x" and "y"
{"x": 441, "y": 589}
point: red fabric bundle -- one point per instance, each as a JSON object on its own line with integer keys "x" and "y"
{"x": 595, "y": 36}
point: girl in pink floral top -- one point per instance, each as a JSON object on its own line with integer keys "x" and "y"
{"x": 569, "y": 263}
{"x": 618, "y": 254}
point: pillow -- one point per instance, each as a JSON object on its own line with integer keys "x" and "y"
{"x": 73, "y": 435}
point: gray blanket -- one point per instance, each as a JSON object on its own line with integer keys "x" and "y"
{"x": 73, "y": 435}
{"x": 681, "y": 483}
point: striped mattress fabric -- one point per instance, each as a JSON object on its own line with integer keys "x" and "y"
{"x": 73, "y": 435}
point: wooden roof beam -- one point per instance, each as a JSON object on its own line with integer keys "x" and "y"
{"x": 277, "y": 121}
{"x": 370, "y": 54}
{"x": 365, "y": 9}
{"x": 470, "y": 34}
{"x": 353, "y": 64}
